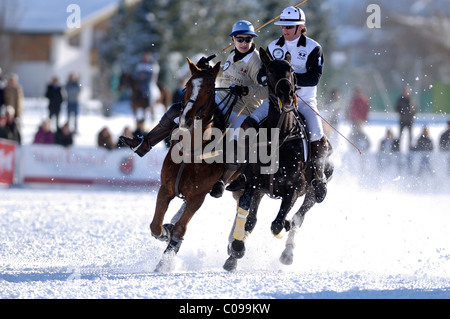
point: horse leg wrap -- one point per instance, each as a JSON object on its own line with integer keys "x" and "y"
{"x": 166, "y": 234}
{"x": 239, "y": 228}
{"x": 174, "y": 245}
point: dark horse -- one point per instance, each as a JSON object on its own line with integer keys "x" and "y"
{"x": 290, "y": 180}
{"x": 139, "y": 100}
{"x": 189, "y": 179}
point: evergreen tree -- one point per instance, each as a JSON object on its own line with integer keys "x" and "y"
{"x": 185, "y": 28}
{"x": 114, "y": 47}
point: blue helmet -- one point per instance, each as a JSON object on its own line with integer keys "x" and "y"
{"x": 243, "y": 27}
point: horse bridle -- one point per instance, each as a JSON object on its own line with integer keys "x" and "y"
{"x": 199, "y": 110}
{"x": 274, "y": 95}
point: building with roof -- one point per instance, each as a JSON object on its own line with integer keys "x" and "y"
{"x": 55, "y": 38}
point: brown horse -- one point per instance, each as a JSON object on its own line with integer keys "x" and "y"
{"x": 140, "y": 101}
{"x": 188, "y": 179}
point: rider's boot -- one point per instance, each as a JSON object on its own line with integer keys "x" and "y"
{"x": 143, "y": 144}
{"x": 320, "y": 152}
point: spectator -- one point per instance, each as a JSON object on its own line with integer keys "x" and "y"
{"x": 424, "y": 142}
{"x": 407, "y": 109}
{"x": 63, "y": 136}
{"x": 104, "y": 139}
{"x": 147, "y": 72}
{"x": 4, "y": 133}
{"x": 444, "y": 140}
{"x": 44, "y": 135}
{"x": 11, "y": 126}
{"x": 126, "y": 132}
{"x": 140, "y": 128}
{"x": 388, "y": 146}
{"x": 55, "y": 99}
{"x": 13, "y": 95}
{"x": 358, "y": 110}
{"x": 178, "y": 95}
{"x": 2, "y": 88}
{"x": 444, "y": 145}
{"x": 360, "y": 138}
{"x": 332, "y": 111}
{"x": 73, "y": 89}
{"x": 425, "y": 146}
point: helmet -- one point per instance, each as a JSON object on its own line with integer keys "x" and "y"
{"x": 292, "y": 16}
{"x": 243, "y": 27}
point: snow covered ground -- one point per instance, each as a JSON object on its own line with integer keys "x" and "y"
{"x": 377, "y": 235}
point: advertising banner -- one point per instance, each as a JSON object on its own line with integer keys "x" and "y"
{"x": 55, "y": 164}
{"x": 7, "y": 160}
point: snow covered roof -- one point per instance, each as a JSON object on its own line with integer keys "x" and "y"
{"x": 50, "y": 16}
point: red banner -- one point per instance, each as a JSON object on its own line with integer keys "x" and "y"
{"x": 7, "y": 160}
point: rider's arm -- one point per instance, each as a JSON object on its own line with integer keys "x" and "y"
{"x": 313, "y": 73}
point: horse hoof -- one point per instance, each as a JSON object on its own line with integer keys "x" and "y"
{"x": 287, "y": 258}
{"x": 278, "y": 230}
{"x": 230, "y": 264}
{"x": 237, "y": 249}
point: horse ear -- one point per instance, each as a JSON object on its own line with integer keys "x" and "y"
{"x": 288, "y": 57}
{"x": 215, "y": 70}
{"x": 192, "y": 67}
{"x": 265, "y": 58}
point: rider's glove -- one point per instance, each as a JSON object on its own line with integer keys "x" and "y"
{"x": 203, "y": 64}
{"x": 262, "y": 76}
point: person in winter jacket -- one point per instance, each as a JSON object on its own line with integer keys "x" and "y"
{"x": 55, "y": 99}
{"x": 104, "y": 139}
{"x": 73, "y": 89}
{"x": 13, "y": 95}
{"x": 9, "y": 128}
{"x": 444, "y": 145}
{"x": 63, "y": 136}
{"x": 358, "y": 110}
{"x": 240, "y": 73}
{"x": 407, "y": 110}
{"x": 44, "y": 135}
{"x": 424, "y": 145}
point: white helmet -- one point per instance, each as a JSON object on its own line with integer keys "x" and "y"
{"x": 292, "y": 16}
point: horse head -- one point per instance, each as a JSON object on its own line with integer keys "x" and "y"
{"x": 199, "y": 104}
{"x": 280, "y": 80}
